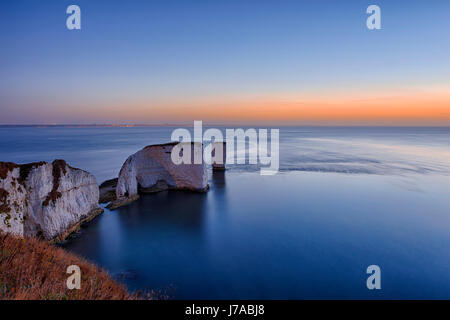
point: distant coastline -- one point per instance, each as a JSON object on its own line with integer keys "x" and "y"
{"x": 189, "y": 124}
{"x": 86, "y": 125}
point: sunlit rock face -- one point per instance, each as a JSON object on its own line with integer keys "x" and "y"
{"x": 48, "y": 200}
{"x": 152, "y": 170}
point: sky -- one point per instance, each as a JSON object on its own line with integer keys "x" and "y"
{"x": 266, "y": 62}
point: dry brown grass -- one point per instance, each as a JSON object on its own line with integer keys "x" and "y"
{"x": 32, "y": 269}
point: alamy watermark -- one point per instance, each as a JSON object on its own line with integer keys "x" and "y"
{"x": 73, "y": 21}
{"x": 373, "y": 22}
{"x": 239, "y": 146}
{"x": 74, "y": 280}
{"x": 374, "y": 280}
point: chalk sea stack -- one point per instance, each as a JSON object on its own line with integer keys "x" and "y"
{"x": 219, "y": 155}
{"x": 152, "y": 170}
{"x": 47, "y": 200}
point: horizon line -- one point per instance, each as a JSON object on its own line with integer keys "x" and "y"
{"x": 190, "y": 124}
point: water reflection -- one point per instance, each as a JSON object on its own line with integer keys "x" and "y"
{"x": 171, "y": 210}
{"x": 218, "y": 189}
{"x": 218, "y": 178}
{"x": 149, "y": 237}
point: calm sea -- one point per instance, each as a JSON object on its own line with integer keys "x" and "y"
{"x": 345, "y": 198}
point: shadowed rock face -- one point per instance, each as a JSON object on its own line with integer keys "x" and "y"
{"x": 152, "y": 170}
{"x": 49, "y": 200}
{"x": 108, "y": 191}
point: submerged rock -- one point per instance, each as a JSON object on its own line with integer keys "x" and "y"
{"x": 152, "y": 170}
{"x": 48, "y": 200}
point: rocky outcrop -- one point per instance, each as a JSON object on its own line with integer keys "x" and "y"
{"x": 219, "y": 155}
{"x": 48, "y": 200}
{"x": 152, "y": 170}
{"x": 108, "y": 191}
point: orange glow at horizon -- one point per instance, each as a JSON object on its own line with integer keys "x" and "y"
{"x": 430, "y": 107}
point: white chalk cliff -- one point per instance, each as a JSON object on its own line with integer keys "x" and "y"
{"x": 48, "y": 200}
{"x": 152, "y": 169}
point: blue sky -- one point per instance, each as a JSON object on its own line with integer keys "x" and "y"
{"x": 164, "y": 52}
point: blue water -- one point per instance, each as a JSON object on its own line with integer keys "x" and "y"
{"x": 345, "y": 198}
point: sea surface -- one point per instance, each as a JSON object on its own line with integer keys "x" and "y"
{"x": 345, "y": 198}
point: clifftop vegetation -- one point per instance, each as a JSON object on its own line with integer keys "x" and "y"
{"x": 34, "y": 269}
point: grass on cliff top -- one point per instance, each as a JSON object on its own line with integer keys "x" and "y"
{"x": 32, "y": 269}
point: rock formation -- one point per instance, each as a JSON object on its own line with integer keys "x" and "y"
{"x": 219, "y": 155}
{"x": 48, "y": 200}
{"x": 152, "y": 170}
{"x": 108, "y": 191}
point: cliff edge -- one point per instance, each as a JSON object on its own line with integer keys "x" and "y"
{"x": 47, "y": 200}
